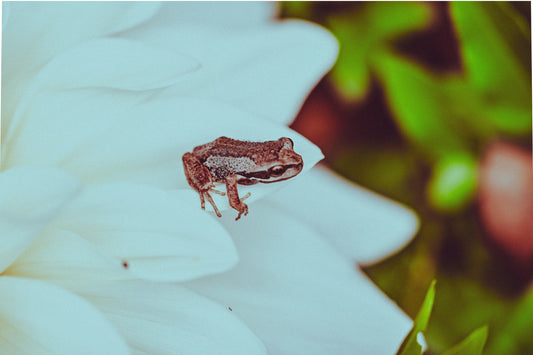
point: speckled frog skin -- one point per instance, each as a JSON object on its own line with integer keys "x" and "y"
{"x": 233, "y": 162}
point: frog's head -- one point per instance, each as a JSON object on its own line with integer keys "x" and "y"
{"x": 278, "y": 162}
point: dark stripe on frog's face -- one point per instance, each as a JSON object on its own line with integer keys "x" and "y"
{"x": 260, "y": 175}
{"x": 267, "y": 177}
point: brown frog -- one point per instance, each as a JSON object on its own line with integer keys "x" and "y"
{"x": 233, "y": 162}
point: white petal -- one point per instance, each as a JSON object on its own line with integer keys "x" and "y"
{"x": 30, "y": 197}
{"x": 116, "y": 63}
{"x": 360, "y": 223}
{"x": 105, "y": 63}
{"x": 37, "y": 31}
{"x": 64, "y": 255}
{"x": 102, "y": 137}
{"x": 38, "y": 318}
{"x": 160, "y": 235}
{"x": 267, "y": 70}
{"x": 157, "y": 318}
{"x": 6, "y": 9}
{"x": 235, "y": 14}
{"x": 301, "y": 296}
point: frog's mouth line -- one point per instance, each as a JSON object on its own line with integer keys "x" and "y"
{"x": 266, "y": 178}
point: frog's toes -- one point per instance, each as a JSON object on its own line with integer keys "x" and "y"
{"x": 210, "y": 200}
{"x": 217, "y": 192}
{"x": 243, "y": 209}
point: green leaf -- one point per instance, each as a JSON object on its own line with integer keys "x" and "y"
{"x": 410, "y": 345}
{"x": 464, "y": 303}
{"x": 496, "y": 49}
{"x": 455, "y": 113}
{"x": 430, "y": 110}
{"x": 453, "y": 183}
{"x": 472, "y": 345}
{"x": 509, "y": 119}
{"x": 366, "y": 30}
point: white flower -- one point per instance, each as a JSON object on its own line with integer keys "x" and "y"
{"x": 115, "y": 93}
{"x": 99, "y": 306}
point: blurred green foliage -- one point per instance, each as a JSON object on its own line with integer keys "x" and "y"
{"x": 443, "y": 117}
{"x": 410, "y": 345}
{"x": 514, "y": 330}
{"x": 453, "y": 182}
{"x": 472, "y": 345}
{"x": 363, "y": 35}
{"x": 496, "y": 50}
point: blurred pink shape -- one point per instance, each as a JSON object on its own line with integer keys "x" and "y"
{"x": 506, "y": 199}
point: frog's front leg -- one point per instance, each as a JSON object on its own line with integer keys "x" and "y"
{"x": 200, "y": 179}
{"x": 233, "y": 196}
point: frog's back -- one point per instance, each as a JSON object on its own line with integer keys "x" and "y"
{"x": 225, "y": 156}
{"x": 233, "y": 148}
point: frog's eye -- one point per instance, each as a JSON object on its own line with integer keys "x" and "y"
{"x": 276, "y": 170}
{"x": 287, "y": 142}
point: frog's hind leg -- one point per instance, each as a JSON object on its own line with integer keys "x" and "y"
{"x": 199, "y": 178}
